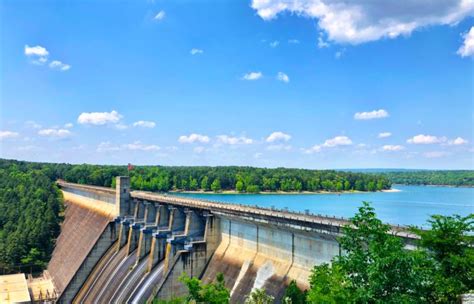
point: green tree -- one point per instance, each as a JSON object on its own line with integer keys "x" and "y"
{"x": 193, "y": 184}
{"x": 294, "y": 295}
{"x": 375, "y": 267}
{"x": 253, "y": 189}
{"x": 216, "y": 185}
{"x": 329, "y": 285}
{"x": 213, "y": 293}
{"x": 450, "y": 244}
{"x": 239, "y": 186}
{"x": 205, "y": 183}
{"x": 259, "y": 296}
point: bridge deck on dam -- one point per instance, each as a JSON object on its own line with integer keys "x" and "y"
{"x": 80, "y": 230}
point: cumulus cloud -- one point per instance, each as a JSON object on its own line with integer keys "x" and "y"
{"x": 231, "y": 140}
{"x": 278, "y": 136}
{"x": 199, "y": 149}
{"x": 32, "y": 124}
{"x": 36, "y": 51}
{"x": 252, "y": 76}
{"x": 196, "y": 51}
{"x": 458, "y": 141}
{"x": 393, "y": 148}
{"x": 68, "y": 125}
{"x": 144, "y": 124}
{"x": 422, "y": 139}
{"x": 384, "y": 135}
{"x": 274, "y": 44}
{"x": 435, "y": 154}
{"x": 160, "y": 15}
{"x": 38, "y": 54}
{"x": 280, "y": 147}
{"x": 283, "y": 77}
{"x": 107, "y": 146}
{"x": 329, "y": 143}
{"x": 467, "y": 48}
{"x": 193, "y": 138}
{"x": 8, "y": 134}
{"x": 99, "y": 118}
{"x": 293, "y": 41}
{"x": 375, "y": 114}
{"x": 360, "y": 21}
{"x": 321, "y": 42}
{"x": 337, "y": 141}
{"x": 59, "y": 66}
{"x": 54, "y": 133}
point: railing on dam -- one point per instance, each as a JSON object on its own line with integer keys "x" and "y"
{"x": 103, "y": 194}
{"x": 294, "y": 218}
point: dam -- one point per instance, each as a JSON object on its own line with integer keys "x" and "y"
{"x": 124, "y": 246}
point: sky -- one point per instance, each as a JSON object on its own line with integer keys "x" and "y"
{"x": 269, "y": 83}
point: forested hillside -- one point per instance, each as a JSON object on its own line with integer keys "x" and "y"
{"x": 432, "y": 177}
{"x": 30, "y": 209}
{"x": 242, "y": 179}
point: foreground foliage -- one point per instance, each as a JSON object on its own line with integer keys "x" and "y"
{"x": 377, "y": 269}
{"x": 30, "y": 206}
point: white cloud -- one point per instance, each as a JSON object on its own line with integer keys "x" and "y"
{"x": 199, "y": 149}
{"x": 58, "y": 65}
{"x": 467, "y": 48}
{"x": 393, "y": 148}
{"x": 283, "y": 77}
{"x": 160, "y": 16}
{"x": 107, "y": 146}
{"x": 144, "y": 124}
{"x": 359, "y": 21}
{"x": 280, "y": 147}
{"x": 192, "y": 138}
{"x": 36, "y": 51}
{"x": 458, "y": 141}
{"x": 257, "y": 155}
{"x": 141, "y": 147}
{"x": 422, "y": 139}
{"x": 293, "y": 41}
{"x": 68, "y": 125}
{"x": 99, "y": 118}
{"x": 329, "y": 143}
{"x": 8, "y": 134}
{"x": 231, "y": 140}
{"x": 337, "y": 141}
{"x": 321, "y": 42}
{"x": 55, "y": 133}
{"x": 384, "y": 135}
{"x": 274, "y": 44}
{"x": 375, "y": 114}
{"x": 32, "y": 124}
{"x": 196, "y": 51}
{"x": 435, "y": 154}
{"x": 252, "y": 76}
{"x": 339, "y": 54}
{"x": 313, "y": 149}
{"x": 278, "y": 136}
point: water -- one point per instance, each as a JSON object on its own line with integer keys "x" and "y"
{"x": 411, "y": 206}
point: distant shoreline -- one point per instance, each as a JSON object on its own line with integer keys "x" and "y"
{"x": 234, "y": 192}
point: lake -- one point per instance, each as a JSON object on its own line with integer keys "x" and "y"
{"x": 412, "y": 205}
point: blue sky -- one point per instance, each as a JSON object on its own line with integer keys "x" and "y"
{"x": 267, "y": 83}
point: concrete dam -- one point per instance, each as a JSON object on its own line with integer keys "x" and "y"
{"x": 123, "y": 246}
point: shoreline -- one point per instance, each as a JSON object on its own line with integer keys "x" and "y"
{"x": 234, "y": 192}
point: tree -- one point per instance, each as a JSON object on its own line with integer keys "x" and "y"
{"x": 259, "y": 296}
{"x": 294, "y": 295}
{"x": 239, "y": 186}
{"x": 449, "y": 244}
{"x": 253, "y": 189}
{"x": 213, "y": 293}
{"x": 374, "y": 269}
{"x": 216, "y": 185}
{"x": 205, "y": 183}
{"x": 193, "y": 184}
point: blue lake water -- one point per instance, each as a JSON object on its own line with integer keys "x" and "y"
{"x": 411, "y": 206}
